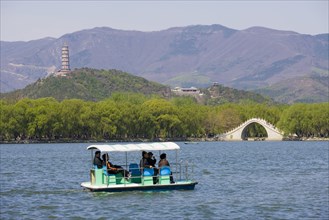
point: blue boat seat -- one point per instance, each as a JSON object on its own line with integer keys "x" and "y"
{"x": 135, "y": 173}
{"x": 148, "y": 174}
{"x": 134, "y": 169}
{"x": 165, "y": 173}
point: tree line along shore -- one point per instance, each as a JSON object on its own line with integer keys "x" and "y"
{"x": 135, "y": 117}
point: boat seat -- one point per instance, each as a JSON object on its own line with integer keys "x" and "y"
{"x": 147, "y": 178}
{"x": 135, "y": 173}
{"x": 165, "y": 171}
{"x": 148, "y": 172}
{"x": 96, "y": 176}
{"x": 107, "y": 178}
{"x": 134, "y": 169}
{"x": 164, "y": 175}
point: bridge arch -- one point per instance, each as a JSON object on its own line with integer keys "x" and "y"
{"x": 237, "y": 134}
{"x": 245, "y": 130}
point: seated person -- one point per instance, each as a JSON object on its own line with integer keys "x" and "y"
{"x": 151, "y": 159}
{"x": 97, "y": 160}
{"x": 114, "y": 169}
{"x": 164, "y": 162}
{"x": 144, "y": 163}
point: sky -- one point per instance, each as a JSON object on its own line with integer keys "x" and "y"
{"x": 30, "y": 20}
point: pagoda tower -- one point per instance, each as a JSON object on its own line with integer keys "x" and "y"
{"x": 65, "y": 59}
{"x": 65, "y": 62}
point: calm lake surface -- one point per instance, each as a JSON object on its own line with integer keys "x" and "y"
{"x": 237, "y": 180}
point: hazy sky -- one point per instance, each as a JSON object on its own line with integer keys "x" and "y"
{"x": 30, "y": 20}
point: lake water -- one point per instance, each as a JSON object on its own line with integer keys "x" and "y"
{"x": 237, "y": 180}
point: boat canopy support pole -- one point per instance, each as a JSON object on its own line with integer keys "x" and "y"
{"x": 126, "y": 165}
{"x": 92, "y": 162}
{"x": 186, "y": 177}
{"x": 176, "y": 164}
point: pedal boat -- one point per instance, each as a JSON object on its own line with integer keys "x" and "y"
{"x": 140, "y": 180}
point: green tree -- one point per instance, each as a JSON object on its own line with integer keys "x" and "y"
{"x": 109, "y": 116}
{"x": 166, "y": 117}
{"x": 294, "y": 120}
{"x": 43, "y": 117}
{"x": 8, "y": 123}
{"x": 229, "y": 118}
{"x": 20, "y": 118}
{"x": 90, "y": 119}
{"x": 71, "y": 123}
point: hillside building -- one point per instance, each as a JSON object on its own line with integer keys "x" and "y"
{"x": 187, "y": 91}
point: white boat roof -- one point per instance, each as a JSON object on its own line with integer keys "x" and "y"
{"x": 134, "y": 147}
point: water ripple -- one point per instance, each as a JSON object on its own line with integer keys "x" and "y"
{"x": 237, "y": 180}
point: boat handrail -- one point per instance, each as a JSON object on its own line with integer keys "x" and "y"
{"x": 183, "y": 171}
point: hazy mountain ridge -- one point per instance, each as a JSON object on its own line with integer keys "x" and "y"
{"x": 313, "y": 89}
{"x": 255, "y": 58}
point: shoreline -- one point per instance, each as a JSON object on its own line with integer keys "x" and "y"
{"x": 186, "y": 140}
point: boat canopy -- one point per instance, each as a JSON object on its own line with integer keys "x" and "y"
{"x": 135, "y": 147}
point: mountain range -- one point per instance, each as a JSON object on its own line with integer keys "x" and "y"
{"x": 285, "y": 65}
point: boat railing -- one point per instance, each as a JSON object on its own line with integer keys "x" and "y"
{"x": 181, "y": 171}
{"x": 186, "y": 171}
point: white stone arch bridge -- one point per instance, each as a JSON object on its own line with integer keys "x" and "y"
{"x": 238, "y": 133}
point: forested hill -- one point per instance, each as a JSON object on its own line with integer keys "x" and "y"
{"x": 219, "y": 94}
{"x": 88, "y": 84}
{"x": 95, "y": 85}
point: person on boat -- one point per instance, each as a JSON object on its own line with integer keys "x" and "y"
{"x": 144, "y": 162}
{"x": 97, "y": 160}
{"x": 152, "y": 161}
{"x": 164, "y": 162}
{"x": 114, "y": 169}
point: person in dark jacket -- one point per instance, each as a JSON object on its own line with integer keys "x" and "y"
{"x": 151, "y": 159}
{"x": 97, "y": 160}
